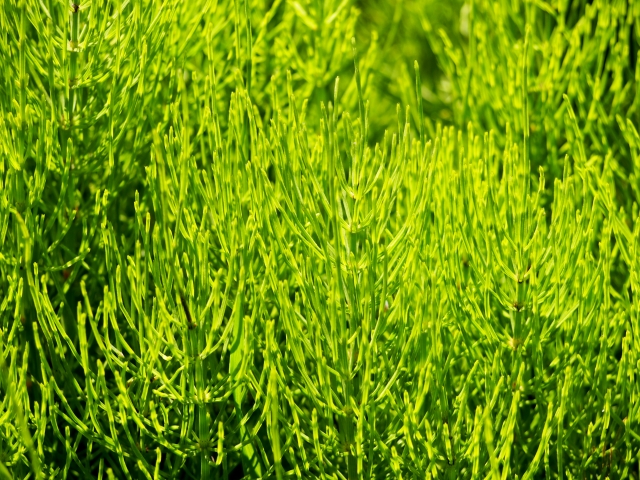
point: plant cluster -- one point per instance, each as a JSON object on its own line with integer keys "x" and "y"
{"x": 226, "y": 253}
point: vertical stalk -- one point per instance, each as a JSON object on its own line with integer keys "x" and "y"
{"x": 249, "y": 48}
{"x": 23, "y": 70}
{"x": 523, "y": 214}
{"x": 250, "y": 461}
{"x": 345, "y": 423}
{"x": 204, "y": 418}
{"x": 73, "y": 60}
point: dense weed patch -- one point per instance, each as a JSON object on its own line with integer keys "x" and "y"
{"x": 254, "y": 239}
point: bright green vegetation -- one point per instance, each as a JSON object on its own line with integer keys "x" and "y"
{"x": 219, "y": 261}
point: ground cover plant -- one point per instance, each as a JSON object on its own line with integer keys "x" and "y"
{"x": 319, "y": 239}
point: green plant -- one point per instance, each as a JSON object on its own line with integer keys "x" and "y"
{"x": 219, "y": 260}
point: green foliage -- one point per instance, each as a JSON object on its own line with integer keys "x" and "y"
{"x": 218, "y": 260}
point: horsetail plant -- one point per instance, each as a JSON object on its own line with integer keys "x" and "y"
{"x": 223, "y": 255}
